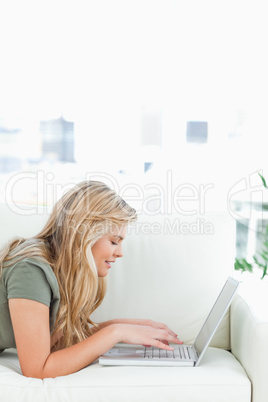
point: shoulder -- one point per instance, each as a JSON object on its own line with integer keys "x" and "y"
{"x": 31, "y": 276}
{"x": 34, "y": 263}
{"x": 30, "y": 265}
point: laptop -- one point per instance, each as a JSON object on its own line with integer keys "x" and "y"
{"x": 182, "y": 355}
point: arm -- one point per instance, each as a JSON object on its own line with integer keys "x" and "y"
{"x": 30, "y": 322}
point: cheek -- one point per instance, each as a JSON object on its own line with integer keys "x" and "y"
{"x": 95, "y": 251}
{"x": 99, "y": 248}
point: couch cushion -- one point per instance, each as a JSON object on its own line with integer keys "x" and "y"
{"x": 249, "y": 332}
{"x": 21, "y": 221}
{"x": 218, "y": 378}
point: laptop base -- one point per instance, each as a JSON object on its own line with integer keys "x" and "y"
{"x": 137, "y": 356}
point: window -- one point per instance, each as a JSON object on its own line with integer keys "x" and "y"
{"x": 115, "y": 86}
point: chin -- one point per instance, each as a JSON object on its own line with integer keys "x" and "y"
{"x": 102, "y": 274}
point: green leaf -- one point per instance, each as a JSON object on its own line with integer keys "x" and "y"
{"x": 263, "y": 180}
{"x": 258, "y": 262}
{"x": 264, "y": 272}
{"x": 264, "y": 255}
{"x": 242, "y": 264}
{"x": 266, "y": 244}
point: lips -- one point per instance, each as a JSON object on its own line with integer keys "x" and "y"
{"x": 108, "y": 263}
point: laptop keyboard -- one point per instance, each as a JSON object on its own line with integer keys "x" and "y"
{"x": 179, "y": 353}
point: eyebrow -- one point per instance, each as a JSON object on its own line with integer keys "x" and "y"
{"x": 119, "y": 237}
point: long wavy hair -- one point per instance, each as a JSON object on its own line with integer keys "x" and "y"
{"x": 81, "y": 217}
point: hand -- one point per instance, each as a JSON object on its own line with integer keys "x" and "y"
{"x": 146, "y": 335}
{"x": 145, "y": 322}
{"x": 154, "y": 324}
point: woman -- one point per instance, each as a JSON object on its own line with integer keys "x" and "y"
{"x": 50, "y": 285}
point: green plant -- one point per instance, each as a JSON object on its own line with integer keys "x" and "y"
{"x": 260, "y": 259}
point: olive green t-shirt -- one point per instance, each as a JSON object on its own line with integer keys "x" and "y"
{"x": 31, "y": 279}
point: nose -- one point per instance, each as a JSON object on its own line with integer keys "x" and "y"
{"x": 119, "y": 251}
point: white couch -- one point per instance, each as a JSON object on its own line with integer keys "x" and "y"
{"x": 172, "y": 270}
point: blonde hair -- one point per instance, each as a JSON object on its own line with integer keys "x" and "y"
{"x": 82, "y": 216}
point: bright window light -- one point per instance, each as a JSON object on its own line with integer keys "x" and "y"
{"x": 130, "y": 77}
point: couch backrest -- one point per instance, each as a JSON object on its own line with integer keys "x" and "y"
{"x": 172, "y": 270}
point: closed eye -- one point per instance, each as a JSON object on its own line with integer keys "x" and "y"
{"x": 115, "y": 244}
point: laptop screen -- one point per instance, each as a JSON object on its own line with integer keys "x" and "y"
{"x": 216, "y": 314}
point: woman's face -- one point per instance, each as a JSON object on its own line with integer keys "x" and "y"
{"x": 107, "y": 249}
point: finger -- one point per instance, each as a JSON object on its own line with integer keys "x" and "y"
{"x": 178, "y": 341}
{"x": 165, "y": 327}
{"x": 161, "y": 345}
{"x": 164, "y": 341}
{"x": 160, "y": 325}
{"x": 172, "y": 332}
{"x": 166, "y": 337}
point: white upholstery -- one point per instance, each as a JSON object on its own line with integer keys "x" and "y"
{"x": 219, "y": 378}
{"x": 169, "y": 276}
{"x": 249, "y": 335}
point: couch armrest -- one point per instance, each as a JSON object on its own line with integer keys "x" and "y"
{"x": 249, "y": 334}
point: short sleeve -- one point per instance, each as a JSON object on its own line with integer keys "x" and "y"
{"x": 28, "y": 281}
